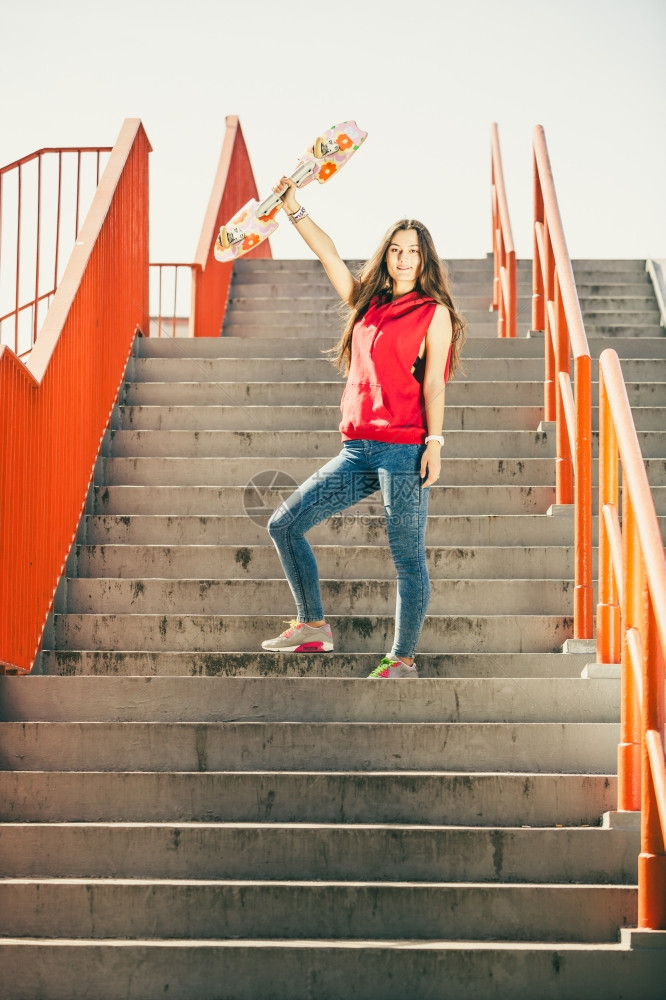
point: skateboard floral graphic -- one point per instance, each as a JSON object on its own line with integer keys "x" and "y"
{"x": 255, "y": 222}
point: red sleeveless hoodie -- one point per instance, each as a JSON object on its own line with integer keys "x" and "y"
{"x": 383, "y": 401}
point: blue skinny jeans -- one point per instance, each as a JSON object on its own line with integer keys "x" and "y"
{"x": 361, "y": 468}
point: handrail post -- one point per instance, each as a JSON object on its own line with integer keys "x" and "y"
{"x": 538, "y": 322}
{"x": 505, "y": 296}
{"x": 652, "y": 859}
{"x": 608, "y": 607}
{"x": 583, "y": 590}
{"x": 564, "y": 477}
{"x": 629, "y": 749}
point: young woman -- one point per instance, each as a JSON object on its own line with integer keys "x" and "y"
{"x": 400, "y": 345}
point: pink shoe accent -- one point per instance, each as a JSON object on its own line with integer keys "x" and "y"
{"x": 310, "y": 647}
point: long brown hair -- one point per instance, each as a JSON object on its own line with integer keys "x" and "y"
{"x": 374, "y": 280}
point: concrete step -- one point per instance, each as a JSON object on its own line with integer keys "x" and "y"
{"x": 598, "y": 313}
{"x": 325, "y": 331}
{"x": 361, "y": 529}
{"x": 311, "y": 699}
{"x": 329, "y": 319}
{"x": 141, "y": 471}
{"x": 336, "y": 562}
{"x": 285, "y": 369}
{"x": 358, "y": 527}
{"x": 458, "y": 418}
{"x": 367, "y": 633}
{"x": 618, "y": 296}
{"x": 583, "y": 266}
{"x": 250, "y": 746}
{"x": 234, "y": 443}
{"x": 308, "y": 852}
{"x": 294, "y": 443}
{"x": 460, "y": 392}
{"x": 233, "y": 500}
{"x": 181, "y": 907}
{"x": 519, "y": 418}
{"x": 259, "y": 663}
{"x": 522, "y": 800}
{"x": 599, "y": 328}
{"x": 275, "y": 969}
{"x": 482, "y": 265}
{"x": 359, "y": 597}
{"x": 306, "y": 347}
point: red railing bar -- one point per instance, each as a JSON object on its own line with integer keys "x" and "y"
{"x": 18, "y": 257}
{"x": 78, "y": 194}
{"x": 159, "y": 309}
{"x": 37, "y": 249}
{"x": 54, "y": 149}
{"x": 175, "y": 296}
{"x": 57, "y": 241}
{"x": 28, "y": 305}
{"x": 655, "y": 750}
{"x": 167, "y": 263}
{"x": 0, "y": 222}
{"x": 569, "y": 407}
{"x": 614, "y": 536}
{"x": 635, "y": 650}
{"x": 610, "y": 561}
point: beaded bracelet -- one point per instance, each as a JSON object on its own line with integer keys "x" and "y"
{"x": 301, "y": 213}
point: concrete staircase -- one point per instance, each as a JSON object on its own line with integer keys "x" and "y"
{"x": 185, "y": 815}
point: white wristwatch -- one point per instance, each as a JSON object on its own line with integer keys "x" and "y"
{"x": 435, "y": 437}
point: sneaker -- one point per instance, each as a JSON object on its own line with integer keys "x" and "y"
{"x": 302, "y": 638}
{"x": 394, "y": 669}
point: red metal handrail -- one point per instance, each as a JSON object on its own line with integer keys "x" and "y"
{"x": 631, "y": 629}
{"x": 232, "y": 187}
{"x": 56, "y": 406}
{"x": 30, "y": 221}
{"x": 171, "y": 323}
{"x": 505, "y": 297}
{"x": 556, "y": 311}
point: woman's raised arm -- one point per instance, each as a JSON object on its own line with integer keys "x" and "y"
{"x": 320, "y": 243}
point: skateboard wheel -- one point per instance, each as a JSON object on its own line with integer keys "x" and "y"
{"x": 323, "y": 148}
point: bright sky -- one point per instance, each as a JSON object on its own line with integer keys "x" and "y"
{"x": 425, "y": 78}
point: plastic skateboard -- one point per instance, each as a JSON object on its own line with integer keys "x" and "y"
{"x": 256, "y": 221}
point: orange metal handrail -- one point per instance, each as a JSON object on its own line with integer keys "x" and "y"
{"x": 556, "y": 311}
{"x": 30, "y": 222}
{"x": 233, "y": 186}
{"x": 631, "y": 629}
{"x": 505, "y": 297}
{"x": 56, "y": 406}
